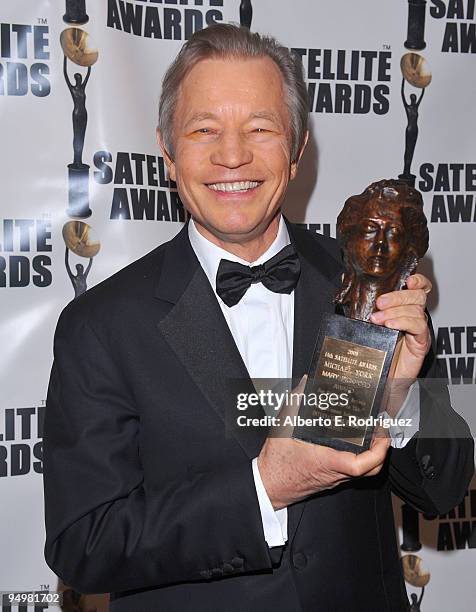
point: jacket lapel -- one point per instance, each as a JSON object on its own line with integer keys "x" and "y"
{"x": 314, "y": 294}
{"x": 197, "y": 332}
{"x": 319, "y": 280}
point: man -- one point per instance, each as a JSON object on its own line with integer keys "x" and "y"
{"x": 147, "y": 495}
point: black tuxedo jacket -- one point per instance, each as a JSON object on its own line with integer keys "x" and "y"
{"x": 148, "y": 497}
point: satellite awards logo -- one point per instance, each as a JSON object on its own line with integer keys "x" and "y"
{"x": 77, "y": 235}
{"x": 27, "y": 43}
{"x": 142, "y": 190}
{"x": 456, "y": 350}
{"x": 25, "y": 247}
{"x": 347, "y": 81}
{"x": 459, "y": 35}
{"x": 21, "y": 446}
{"x": 164, "y": 22}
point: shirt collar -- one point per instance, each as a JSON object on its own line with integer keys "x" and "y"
{"x": 209, "y": 255}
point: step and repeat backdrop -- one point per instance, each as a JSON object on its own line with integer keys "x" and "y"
{"x": 84, "y": 192}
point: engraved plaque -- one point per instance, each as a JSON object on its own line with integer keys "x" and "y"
{"x": 345, "y": 387}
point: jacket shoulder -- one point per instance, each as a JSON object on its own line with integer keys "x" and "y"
{"x": 132, "y": 284}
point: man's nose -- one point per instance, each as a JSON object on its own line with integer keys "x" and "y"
{"x": 231, "y": 150}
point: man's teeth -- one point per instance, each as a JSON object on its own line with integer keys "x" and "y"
{"x": 237, "y": 186}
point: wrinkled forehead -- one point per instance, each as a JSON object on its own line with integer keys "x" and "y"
{"x": 214, "y": 81}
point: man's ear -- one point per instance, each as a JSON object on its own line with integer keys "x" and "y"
{"x": 295, "y": 162}
{"x": 169, "y": 162}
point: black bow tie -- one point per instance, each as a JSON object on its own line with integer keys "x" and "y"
{"x": 279, "y": 274}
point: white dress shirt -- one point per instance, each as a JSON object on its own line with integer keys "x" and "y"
{"x": 262, "y": 325}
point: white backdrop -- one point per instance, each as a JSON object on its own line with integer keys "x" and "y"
{"x": 353, "y": 143}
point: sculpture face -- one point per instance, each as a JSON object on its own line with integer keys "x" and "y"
{"x": 383, "y": 233}
{"x": 379, "y": 244}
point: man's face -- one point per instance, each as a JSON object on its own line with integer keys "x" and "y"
{"x": 232, "y": 147}
{"x": 380, "y": 242}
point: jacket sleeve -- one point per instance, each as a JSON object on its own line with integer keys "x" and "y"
{"x": 433, "y": 471}
{"x": 106, "y": 528}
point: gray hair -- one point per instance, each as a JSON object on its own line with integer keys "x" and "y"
{"x": 223, "y": 40}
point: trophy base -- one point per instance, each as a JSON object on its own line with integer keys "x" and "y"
{"x": 346, "y": 383}
{"x": 76, "y": 20}
{"x": 414, "y": 45}
{"x": 410, "y": 547}
{"x": 78, "y": 192}
{"x": 409, "y": 179}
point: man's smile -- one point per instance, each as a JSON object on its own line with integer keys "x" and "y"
{"x": 234, "y": 186}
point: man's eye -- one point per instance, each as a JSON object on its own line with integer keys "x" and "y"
{"x": 204, "y": 131}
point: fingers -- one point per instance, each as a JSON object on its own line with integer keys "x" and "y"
{"x": 416, "y": 326}
{"x": 395, "y": 312}
{"x": 418, "y": 287}
{"x": 360, "y": 465}
{"x": 410, "y": 325}
{"x": 405, "y": 310}
{"x": 374, "y": 457}
{"x": 379, "y": 434}
{"x": 418, "y": 281}
{"x": 402, "y": 298}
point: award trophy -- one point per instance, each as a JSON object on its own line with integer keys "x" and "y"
{"x": 246, "y": 13}
{"x": 417, "y": 576}
{"x": 415, "y": 72}
{"x": 76, "y": 12}
{"x": 416, "y": 25}
{"x": 383, "y": 233}
{"x": 74, "y": 42}
{"x": 78, "y": 238}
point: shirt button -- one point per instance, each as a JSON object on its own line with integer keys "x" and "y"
{"x": 299, "y": 560}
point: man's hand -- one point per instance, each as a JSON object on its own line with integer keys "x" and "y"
{"x": 291, "y": 470}
{"x": 405, "y": 311}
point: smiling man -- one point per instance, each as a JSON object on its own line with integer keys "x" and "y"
{"x": 147, "y": 494}
{"x": 232, "y": 146}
